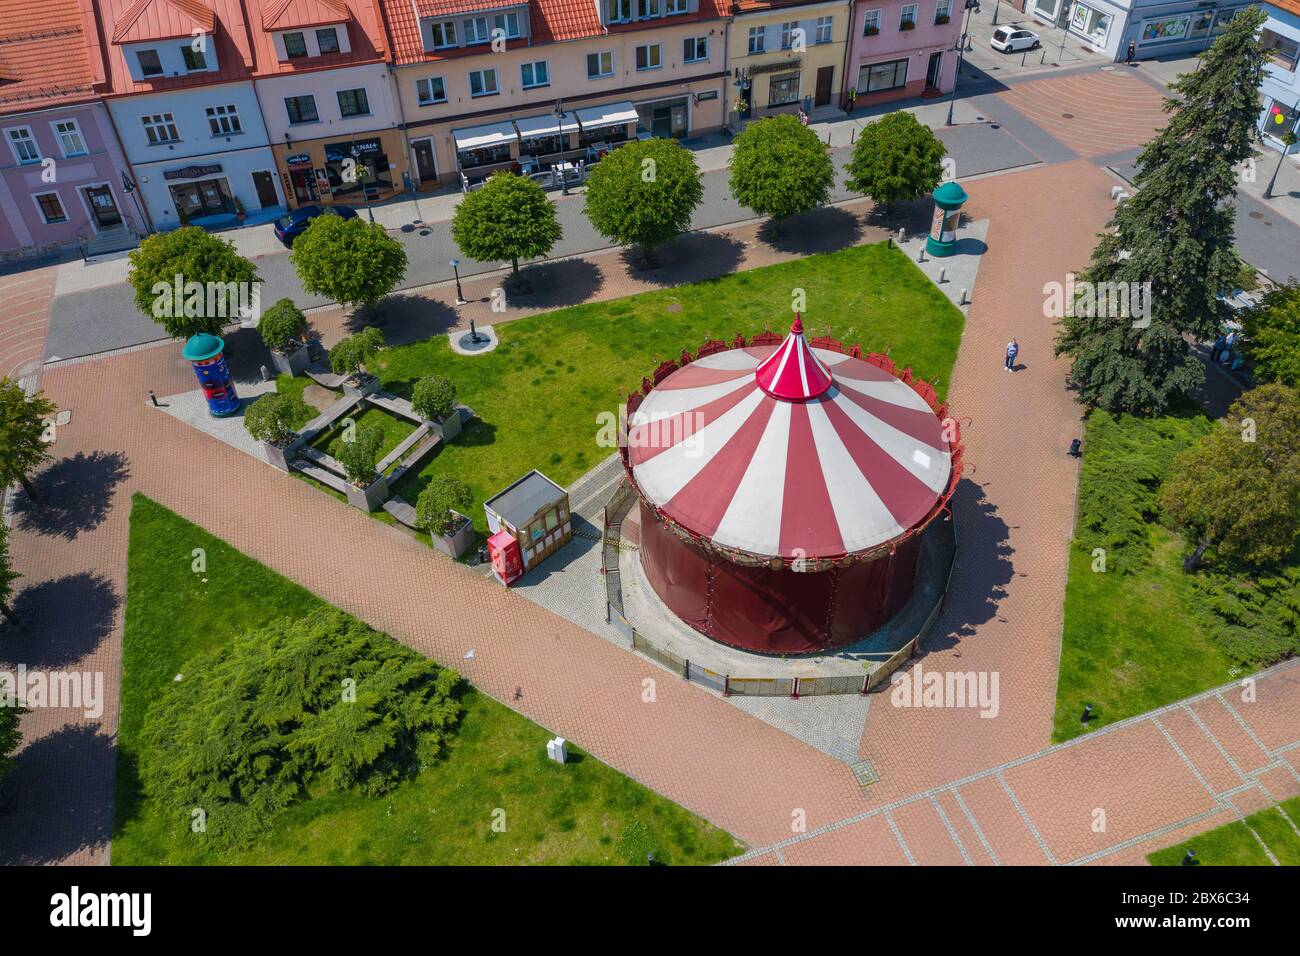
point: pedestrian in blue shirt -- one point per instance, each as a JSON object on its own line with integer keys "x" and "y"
{"x": 1013, "y": 349}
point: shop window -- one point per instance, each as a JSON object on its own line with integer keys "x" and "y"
{"x": 431, "y": 90}
{"x": 533, "y": 75}
{"x": 51, "y": 208}
{"x": 757, "y": 39}
{"x": 483, "y": 83}
{"x": 195, "y": 61}
{"x": 150, "y": 65}
{"x": 1047, "y": 9}
{"x": 353, "y": 102}
{"x": 301, "y": 109}
{"x": 600, "y": 64}
{"x": 871, "y": 23}
{"x": 295, "y": 45}
{"x": 649, "y": 57}
{"x": 783, "y": 89}
{"x": 543, "y": 145}
{"x": 327, "y": 40}
{"x": 223, "y": 120}
{"x": 160, "y": 128}
{"x": 69, "y": 136}
{"x": 486, "y": 156}
{"x": 874, "y": 77}
{"x": 23, "y": 144}
{"x": 1281, "y": 51}
{"x": 695, "y": 49}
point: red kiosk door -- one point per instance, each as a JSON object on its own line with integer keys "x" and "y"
{"x": 507, "y": 562}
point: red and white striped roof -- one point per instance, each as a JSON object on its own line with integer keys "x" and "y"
{"x": 736, "y": 448}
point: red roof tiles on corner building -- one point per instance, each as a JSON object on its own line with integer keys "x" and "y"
{"x": 44, "y": 57}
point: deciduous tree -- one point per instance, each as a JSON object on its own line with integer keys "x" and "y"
{"x": 896, "y": 158}
{"x": 190, "y": 281}
{"x": 510, "y": 217}
{"x": 433, "y": 397}
{"x": 350, "y": 261}
{"x": 643, "y": 194}
{"x": 350, "y": 355}
{"x": 779, "y": 168}
{"x": 434, "y": 506}
{"x": 22, "y": 425}
{"x": 1272, "y": 335}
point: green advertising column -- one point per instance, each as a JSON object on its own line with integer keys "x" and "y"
{"x": 948, "y": 200}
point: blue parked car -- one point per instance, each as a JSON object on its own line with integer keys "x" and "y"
{"x": 290, "y": 227}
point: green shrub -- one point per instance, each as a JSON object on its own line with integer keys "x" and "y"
{"x": 433, "y": 507}
{"x": 358, "y": 456}
{"x": 275, "y": 417}
{"x": 320, "y": 703}
{"x": 1125, "y": 460}
{"x": 434, "y": 397}
{"x": 282, "y": 325}
{"x": 1255, "y": 620}
{"x": 350, "y": 355}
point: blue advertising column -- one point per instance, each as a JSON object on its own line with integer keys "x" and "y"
{"x": 948, "y": 200}
{"x": 207, "y": 354}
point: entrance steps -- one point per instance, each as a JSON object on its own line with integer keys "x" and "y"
{"x": 110, "y": 240}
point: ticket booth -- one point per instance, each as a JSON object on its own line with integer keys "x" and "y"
{"x": 534, "y": 511}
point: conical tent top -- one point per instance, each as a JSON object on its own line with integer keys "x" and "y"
{"x": 793, "y": 373}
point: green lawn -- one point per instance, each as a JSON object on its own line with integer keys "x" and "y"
{"x": 538, "y": 395}
{"x": 583, "y": 812}
{"x": 1144, "y": 633}
{"x": 1133, "y": 642}
{"x": 394, "y": 428}
{"x": 1234, "y": 845}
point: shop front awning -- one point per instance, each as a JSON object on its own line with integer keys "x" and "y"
{"x": 611, "y": 114}
{"x": 546, "y": 125}
{"x": 481, "y": 137}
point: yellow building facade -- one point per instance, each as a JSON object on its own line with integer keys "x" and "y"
{"x": 783, "y": 56}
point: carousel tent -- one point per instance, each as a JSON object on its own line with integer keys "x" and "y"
{"x": 782, "y": 487}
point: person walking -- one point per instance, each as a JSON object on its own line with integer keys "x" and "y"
{"x": 1013, "y": 349}
{"x": 1132, "y": 53}
{"x": 853, "y": 98}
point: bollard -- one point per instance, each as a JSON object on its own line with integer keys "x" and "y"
{"x": 920, "y": 254}
{"x": 902, "y": 235}
{"x": 1115, "y": 191}
{"x": 965, "y": 299}
{"x": 266, "y": 374}
{"x": 943, "y": 276}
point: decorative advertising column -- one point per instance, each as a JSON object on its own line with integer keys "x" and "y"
{"x": 948, "y": 200}
{"x": 207, "y": 354}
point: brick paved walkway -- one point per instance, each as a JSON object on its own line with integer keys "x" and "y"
{"x": 26, "y": 297}
{"x": 1094, "y": 114}
{"x": 954, "y": 787}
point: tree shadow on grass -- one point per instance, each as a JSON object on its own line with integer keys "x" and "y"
{"x": 553, "y": 285}
{"x": 827, "y": 229}
{"x": 74, "y": 494}
{"x": 60, "y": 621}
{"x": 57, "y": 799}
{"x": 982, "y": 570}
{"x": 691, "y": 257}
{"x": 405, "y": 318}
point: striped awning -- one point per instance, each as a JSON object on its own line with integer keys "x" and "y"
{"x": 789, "y": 451}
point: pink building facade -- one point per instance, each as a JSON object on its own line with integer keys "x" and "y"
{"x": 903, "y": 50}
{"x": 61, "y": 164}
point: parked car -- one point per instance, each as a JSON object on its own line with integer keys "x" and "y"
{"x": 1012, "y": 38}
{"x": 290, "y": 227}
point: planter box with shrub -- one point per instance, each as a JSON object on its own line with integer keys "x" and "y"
{"x": 457, "y": 543}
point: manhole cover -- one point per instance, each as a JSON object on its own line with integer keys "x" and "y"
{"x": 1255, "y": 215}
{"x": 1067, "y": 116}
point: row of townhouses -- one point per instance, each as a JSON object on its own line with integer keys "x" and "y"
{"x": 122, "y": 117}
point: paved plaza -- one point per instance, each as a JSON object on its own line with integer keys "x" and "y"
{"x": 948, "y": 785}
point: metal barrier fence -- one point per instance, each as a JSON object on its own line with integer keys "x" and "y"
{"x": 616, "y": 510}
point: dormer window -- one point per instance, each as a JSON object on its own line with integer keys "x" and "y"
{"x": 327, "y": 39}
{"x": 150, "y": 65}
{"x": 476, "y": 30}
{"x": 444, "y": 34}
{"x": 674, "y": 6}
{"x": 618, "y": 11}
{"x": 508, "y": 24}
{"x": 647, "y": 8}
{"x": 295, "y": 45}
{"x": 194, "y": 59}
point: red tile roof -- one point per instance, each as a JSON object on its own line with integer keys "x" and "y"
{"x": 44, "y": 57}
{"x": 146, "y": 20}
{"x": 360, "y": 19}
{"x": 551, "y": 21}
{"x": 1290, "y": 6}
{"x": 293, "y": 14}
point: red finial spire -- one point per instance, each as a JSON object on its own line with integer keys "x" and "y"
{"x": 793, "y": 372}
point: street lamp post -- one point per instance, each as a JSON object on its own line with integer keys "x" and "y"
{"x": 1288, "y": 140}
{"x": 1065, "y": 31}
{"x": 460, "y": 296}
{"x": 559, "y": 118}
{"x": 1209, "y": 35}
{"x": 961, "y": 53}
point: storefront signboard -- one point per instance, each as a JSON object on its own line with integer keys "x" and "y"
{"x": 1170, "y": 28}
{"x": 193, "y": 172}
{"x": 298, "y": 159}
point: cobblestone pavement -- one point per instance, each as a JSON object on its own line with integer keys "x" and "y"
{"x": 26, "y": 296}
{"x": 953, "y": 786}
{"x": 1094, "y": 114}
